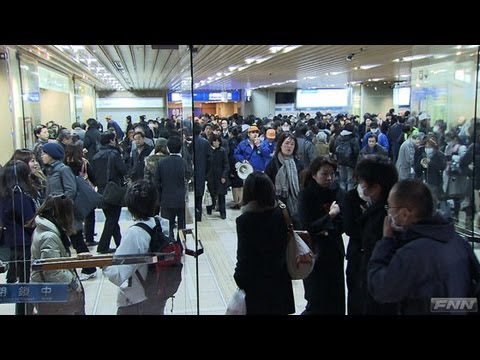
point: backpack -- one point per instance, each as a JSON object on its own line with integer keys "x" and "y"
{"x": 163, "y": 277}
{"x": 344, "y": 153}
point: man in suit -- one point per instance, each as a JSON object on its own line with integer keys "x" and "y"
{"x": 170, "y": 180}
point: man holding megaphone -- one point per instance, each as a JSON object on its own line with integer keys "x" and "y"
{"x": 253, "y": 151}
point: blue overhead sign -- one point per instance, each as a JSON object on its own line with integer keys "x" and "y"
{"x": 33, "y": 96}
{"x": 33, "y": 293}
{"x": 231, "y": 95}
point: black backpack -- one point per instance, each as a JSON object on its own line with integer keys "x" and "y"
{"x": 163, "y": 277}
{"x": 344, "y": 153}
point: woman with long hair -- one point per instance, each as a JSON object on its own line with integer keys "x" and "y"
{"x": 17, "y": 207}
{"x": 261, "y": 269}
{"x": 39, "y": 180}
{"x": 54, "y": 225}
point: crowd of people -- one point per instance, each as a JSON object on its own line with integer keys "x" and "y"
{"x": 336, "y": 175}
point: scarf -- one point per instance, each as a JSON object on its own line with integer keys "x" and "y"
{"x": 286, "y": 182}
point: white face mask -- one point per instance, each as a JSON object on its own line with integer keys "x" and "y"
{"x": 394, "y": 225}
{"x": 374, "y": 131}
{"x": 436, "y": 129}
{"x": 286, "y": 128}
{"x": 362, "y": 195}
{"x": 429, "y": 151}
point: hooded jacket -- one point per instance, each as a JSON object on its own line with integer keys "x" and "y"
{"x": 46, "y": 243}
{"x": 428, "y": 260}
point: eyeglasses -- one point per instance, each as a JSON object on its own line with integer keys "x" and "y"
{"x": 387, "y": 207}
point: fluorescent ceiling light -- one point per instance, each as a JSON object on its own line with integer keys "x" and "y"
{"x": 290, "y": 48}
{"x": 371, "y": 66}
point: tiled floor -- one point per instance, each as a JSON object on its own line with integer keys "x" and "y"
{"x": 215, "y": 272}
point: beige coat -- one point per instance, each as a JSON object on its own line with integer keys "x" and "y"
{"x": 46, "y": 244}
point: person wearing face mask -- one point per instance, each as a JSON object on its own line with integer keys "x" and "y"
{"x": 431, "y": 167}
{"x": 381, "y": 137}
{"x": 375, "y": 177}
{"x": 426, "y": 259}
{"x": 286, "y": 124}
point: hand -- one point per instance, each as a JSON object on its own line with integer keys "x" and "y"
{"x": 424, "y": 162}
{"x": 387, "y": 226}
{"x": 334, "y": 209}
{"x": 84, "y": 255}
{"x": 256, "y": 142}
{"x": 305, "y": 258}
{"x": 222, "y": 180}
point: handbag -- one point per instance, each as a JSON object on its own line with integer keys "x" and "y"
{"x": 300, "y": 259}
{"x": 237, "y": 304}
{"x": 113, "y": 194}
{"x": 86, "y": 198}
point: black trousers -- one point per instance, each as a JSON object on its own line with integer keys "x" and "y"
{"x": 198, "y": 207}
{"x": 89, "y": 226}
{"x": 19, "y": 271}
{"x": 111, "y": 228}
{"x": 171, "y": 214}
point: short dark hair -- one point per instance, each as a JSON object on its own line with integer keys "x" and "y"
{"x": 142, "y": 199}
{"x": 139, "y": 133}
{"x": 375, "y": 169}
{"x": 414, "y": 195}
{"x": 38, "y": 129}
{"x": 174, "y": 144}
{"x": 259, "y": 187}
{"x": 106, "y": 137}
{"x": 306, "y": 174}
{"x": 91, "y": 122}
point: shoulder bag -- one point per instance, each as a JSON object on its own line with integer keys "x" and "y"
{"x": 300, "y": 259}
{"x": 113, "y": 194}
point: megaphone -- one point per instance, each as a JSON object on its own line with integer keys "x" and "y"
{"x": 243, "y": 170}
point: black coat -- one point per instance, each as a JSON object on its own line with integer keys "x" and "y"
{"x": 202, "y": 161}
{"x": 219, "y": 169}
{"x": 100, "y": 167}
{"x": 91, "y": 142}
{"x": 170, "y": 181}
{"x": 352, "y": 213}
{"x": 371, "y": 233}
{"x": 325, "y": 287}
{"x": 261, "y": 262}
{"x": 137, "y": 162}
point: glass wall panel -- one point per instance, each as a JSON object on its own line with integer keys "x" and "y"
{"x": 444, "y": 99}
{"x": 84, "y": 101}
{"x": 30, "y": 89}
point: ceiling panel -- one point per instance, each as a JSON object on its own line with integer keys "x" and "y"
{"x": 141, "y": 67}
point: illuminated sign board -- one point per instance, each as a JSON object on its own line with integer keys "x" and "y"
{"x": 232, "y": 95}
